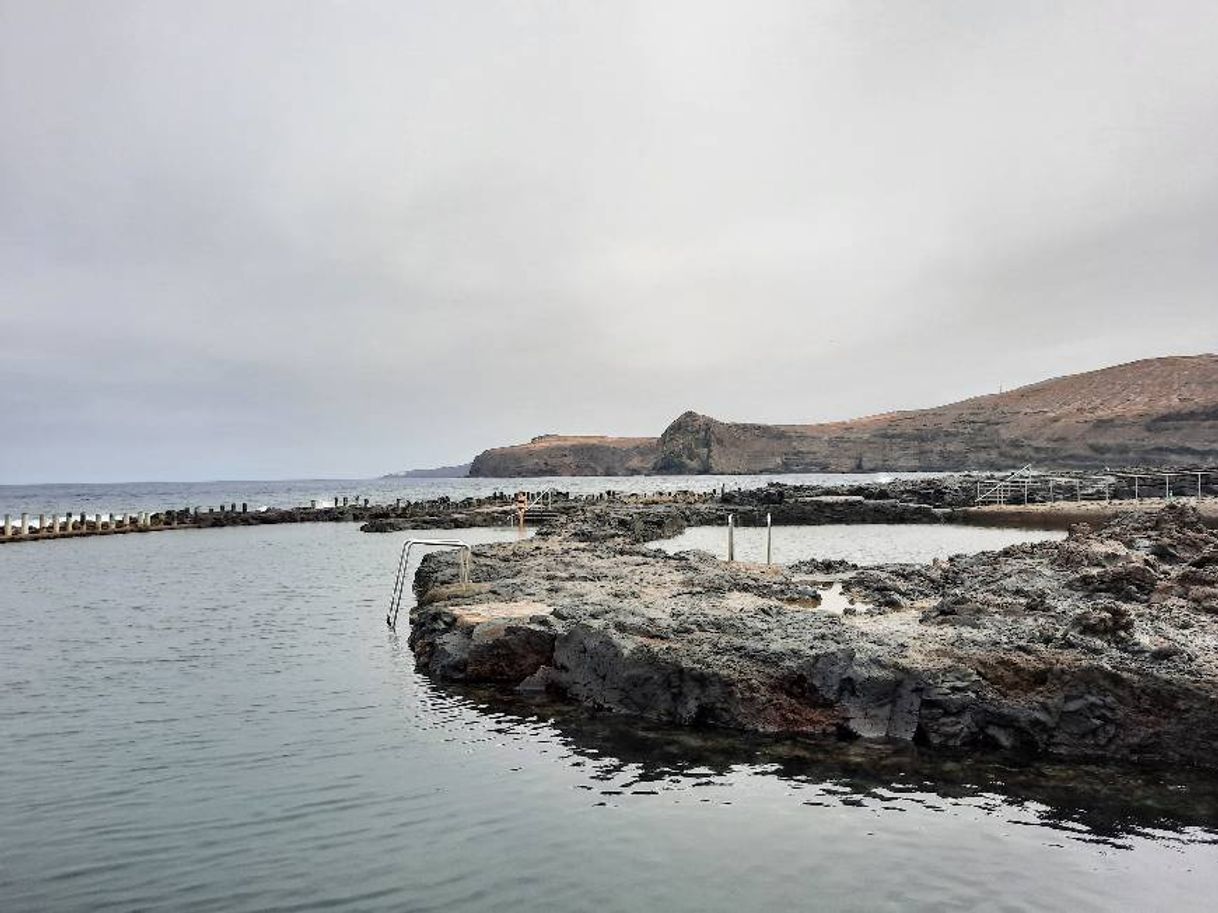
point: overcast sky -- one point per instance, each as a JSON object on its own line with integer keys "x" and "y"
{"x": 284, "y": 239}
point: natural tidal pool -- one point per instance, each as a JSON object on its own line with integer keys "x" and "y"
{"x": 220, "y": 720}
{"x": 862, "y": 543}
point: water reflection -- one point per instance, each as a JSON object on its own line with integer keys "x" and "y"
{"x": 627, "y": 757}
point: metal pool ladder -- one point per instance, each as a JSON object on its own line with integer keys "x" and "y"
{"x": 399, "y": 582}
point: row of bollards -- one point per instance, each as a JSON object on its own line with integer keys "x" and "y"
{"x": 73, "y": 523}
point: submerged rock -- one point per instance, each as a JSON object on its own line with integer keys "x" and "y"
{"x": 1101, "y": 645}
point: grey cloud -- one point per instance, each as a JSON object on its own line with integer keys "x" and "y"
{"x": 343, "y": 238}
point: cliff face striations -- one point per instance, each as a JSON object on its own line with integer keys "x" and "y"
{"x": 1161, "y": 411}
{"x": 568, "y": 455}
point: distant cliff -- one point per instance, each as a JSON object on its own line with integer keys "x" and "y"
{"x": 459, "y": 471}
{"x": 569, "y": 455}
{"x": 1161, "y": 411}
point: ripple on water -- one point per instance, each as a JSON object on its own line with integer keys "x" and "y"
{"x": 220, "y": 721}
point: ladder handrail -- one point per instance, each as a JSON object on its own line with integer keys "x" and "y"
{"x": 399, "y": 581}
{"x": 997, "y": 486}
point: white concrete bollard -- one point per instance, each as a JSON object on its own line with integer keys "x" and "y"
{"x": 42, "y": 523}
{"x": 8, "y": 526}
{"x": 25, "y": 525}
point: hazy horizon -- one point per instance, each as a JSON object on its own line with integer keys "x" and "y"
{"x": 283, "y": 241}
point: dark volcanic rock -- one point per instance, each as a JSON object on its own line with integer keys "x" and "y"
{"x": 1095, "y": 646}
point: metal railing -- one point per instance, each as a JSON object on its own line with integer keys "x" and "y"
{"x": 399, "y": 582}
{"x": 1000, "y": 490}
{"x": 1027, "y": 486}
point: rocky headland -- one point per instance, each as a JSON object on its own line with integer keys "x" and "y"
{"x": 1103, "y": 645}
{"x": 569, "y": 455}
{"x": 1161, "y": 411}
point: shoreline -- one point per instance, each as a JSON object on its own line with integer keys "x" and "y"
{"x": 1101, "y": 646}
{"x": 948, "y": 498}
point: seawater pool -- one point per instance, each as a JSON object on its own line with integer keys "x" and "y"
{"x": 865, "y": 543}
{"x": 219, "y": 720}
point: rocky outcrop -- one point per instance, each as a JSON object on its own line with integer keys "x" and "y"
{"x": 1104, "y": 645}
{"x": 568, "y": 455}
{"x": 1157, "y": 412}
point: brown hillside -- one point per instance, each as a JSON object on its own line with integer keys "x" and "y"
{"x": 1161, "y": 411}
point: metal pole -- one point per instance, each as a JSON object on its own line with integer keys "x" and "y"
{"x": 731, "y": 537}
{"x": 769, "y": 538}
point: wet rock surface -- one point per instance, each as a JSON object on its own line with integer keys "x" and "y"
{"x": 1104, "y": 645}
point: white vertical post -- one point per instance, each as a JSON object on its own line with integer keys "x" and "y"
{"x": 25, "y": 523}
{"x": 1199, "y": 487}
{"x": 1135, "y": 488}
{"x": 769, "y": 538}
{"x": 1051, "y": 498}
{"x": 8, "y": 526}
{"x": 1167, "y": 486}
{"x": 42, "y": 523}
{"x": 1078, "y": 490}
{"x": 731, "y": 537}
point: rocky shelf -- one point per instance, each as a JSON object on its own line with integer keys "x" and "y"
{"x": 1103, "y": 645}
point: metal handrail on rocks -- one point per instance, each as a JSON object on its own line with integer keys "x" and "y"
{"x": 399, "y": 582}
{"x": 997, "y": 492}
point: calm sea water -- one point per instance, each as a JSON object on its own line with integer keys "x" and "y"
{"x": 137, "y": 496}
{"x": 218, "y": 720}
{"x": 870, "y": 543}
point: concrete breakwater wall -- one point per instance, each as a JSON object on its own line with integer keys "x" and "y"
{"x": 948, "y": 498}
{"x": 497, "y": 509}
